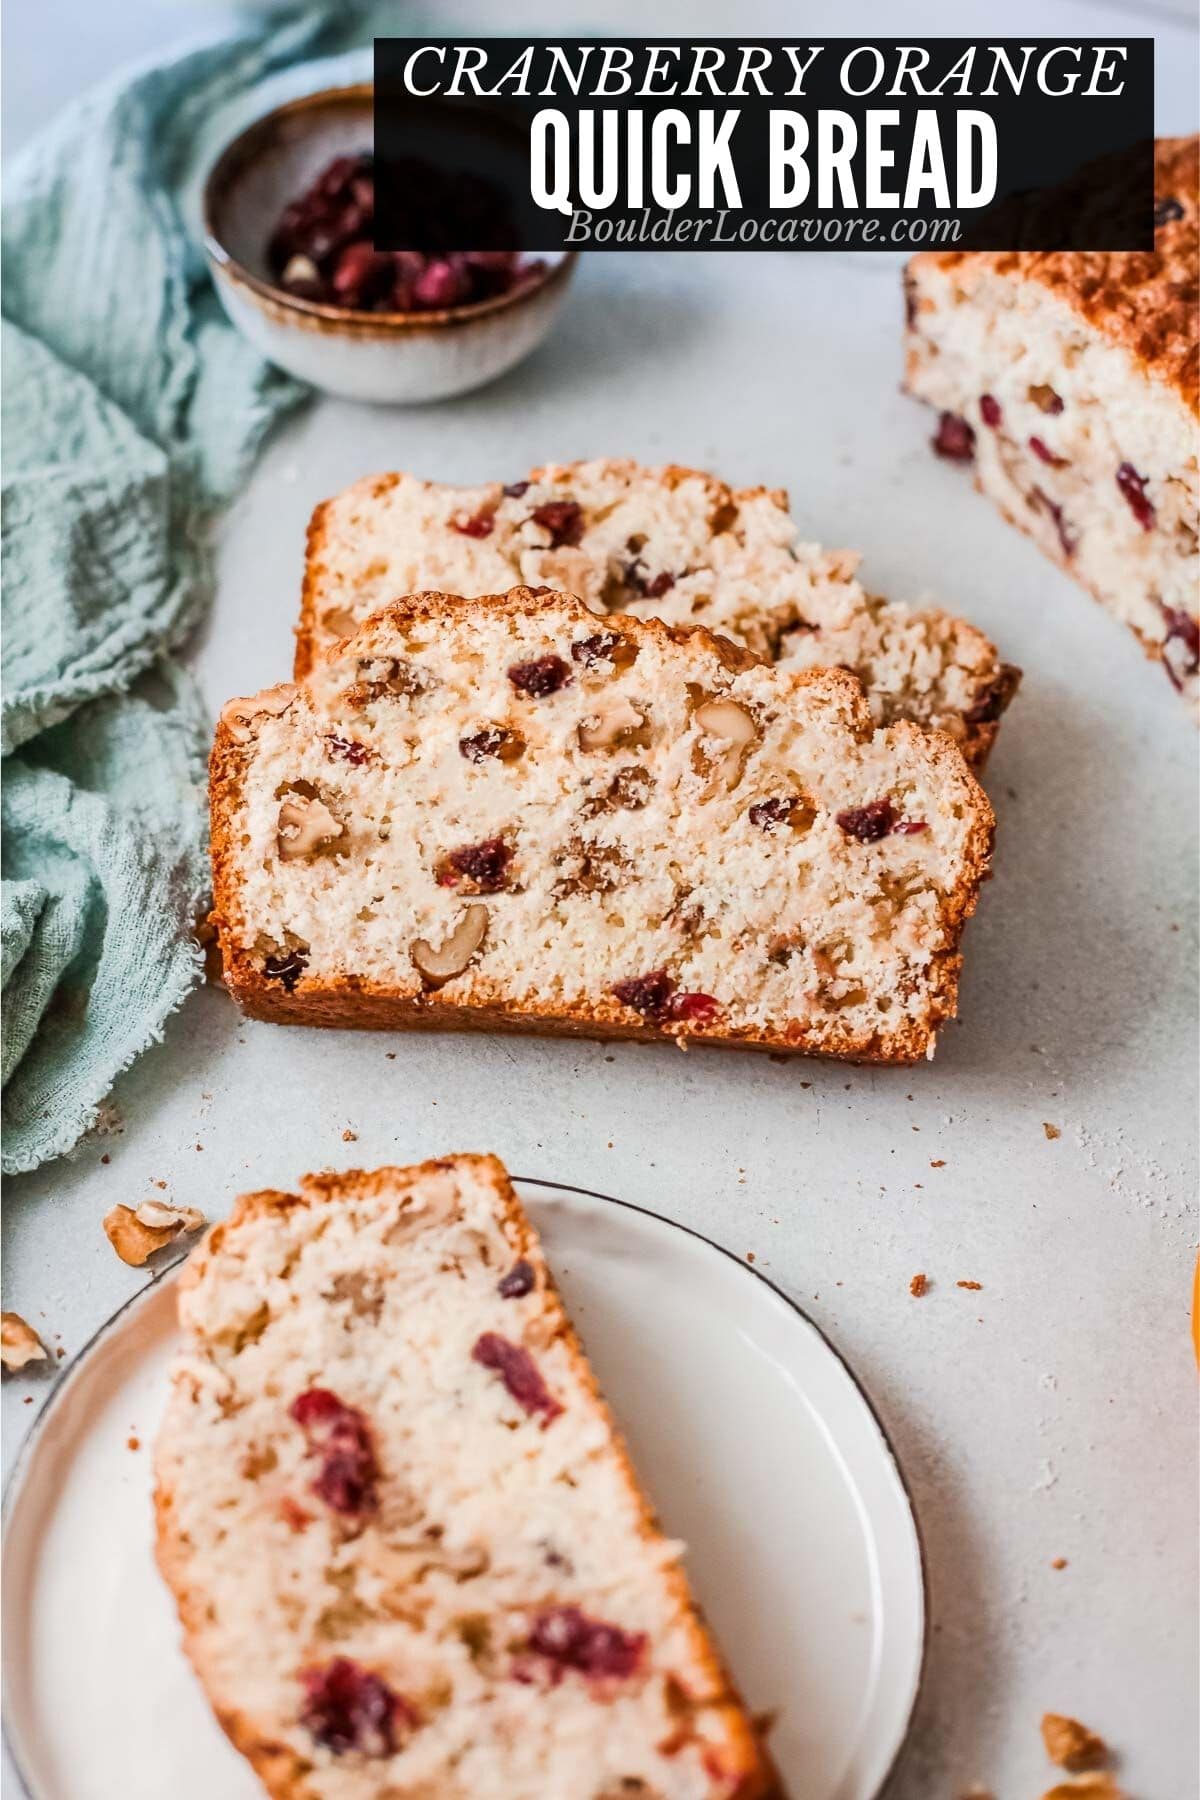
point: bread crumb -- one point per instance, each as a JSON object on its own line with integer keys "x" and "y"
{"x": 1051, "y": 1131}
{"x": 917, "y": 1286}
{"x": 349, "y": 1137}
{"x": 975, "y": 1286}
{"x": 940, "y": 1164}
{"x": 1059, "y": 1562}
{"x": 749, "y": 1256}
{"x": 106, "y": 1158}
{"x": 132, "y": 1442}
{"x": 1070, "y": 1744}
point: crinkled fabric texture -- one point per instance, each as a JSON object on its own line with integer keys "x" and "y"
{"x": 131, "y": 414}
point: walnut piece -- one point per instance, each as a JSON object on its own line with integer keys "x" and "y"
{"x": 136, "y": 1235}
{"x": 615, "y": 721}
{"x": 732, "y": 725}
{"x": 19, "y": 1343}
{"x": 1070, "y": 1744}
{"x": 238, "y": 715}
{"x": 1099, "y": 1786}
{"x": 436, "y": 967}
{"x": 340, "y": 622}
{"x": 305, "y": 826}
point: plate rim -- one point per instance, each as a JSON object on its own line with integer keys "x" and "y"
{"x": 69, "y": 1369}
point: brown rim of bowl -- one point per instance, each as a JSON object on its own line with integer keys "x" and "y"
{"x": 238, "y": 152}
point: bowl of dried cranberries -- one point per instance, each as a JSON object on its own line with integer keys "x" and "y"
{"x": 289, "y": 212}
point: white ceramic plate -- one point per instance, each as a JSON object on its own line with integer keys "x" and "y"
{"x": 747, "y": 1426}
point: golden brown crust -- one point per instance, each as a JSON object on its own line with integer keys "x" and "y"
{"x": 314, "y": 571}
{"x": 1145, "y": 301}
{"x": 281, "y": 1771}
{"x": 351, "y": 1001}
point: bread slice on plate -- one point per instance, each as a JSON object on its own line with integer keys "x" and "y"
{"x": 411, "y": 1557}
{"x": 670, "y": 543}
{"x": 1069, "y": 383}
{"x": 505, "y": 813}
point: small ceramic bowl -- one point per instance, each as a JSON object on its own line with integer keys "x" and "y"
{"x": 386, "y": 357}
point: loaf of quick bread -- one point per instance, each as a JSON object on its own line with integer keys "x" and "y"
{"x": 411, "y": 1557}
{"x": 1070, "y": 384}
{"x": 505, "y": 813}
{"x": 672, "y": 544}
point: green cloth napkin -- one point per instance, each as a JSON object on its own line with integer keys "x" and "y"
{"x": 131, "y": 412}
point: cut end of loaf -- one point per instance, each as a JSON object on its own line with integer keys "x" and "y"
{"x": 1068, "y": 384}
{"x": 408, "y": 1548}
{"x": 501, "y": 813}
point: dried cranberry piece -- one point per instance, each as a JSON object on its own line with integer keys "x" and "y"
{"x": 493, "y": 742}
{"x": 1044, "y": 454}
{"x": 515, "y": 489}
{"x": 346, "y": 1707}
{"x": 1167, "y": 211}
{"x": 543, "y": 676}
{"x": 634, "y": 577}
{"x": 442, "y": 283}
{"x": 485, "y": 864}
{"x": 287, "y": 968}
{"x": 910, "y": 301}
{"x": 648, "y": 994}
{"x": 347, "y": 749}
{"x": 868, "y": 823}
{"x": 989, "y": 410}
{"x": 605, "y": 646}
{"x": 1041, "y": 502}
{"x": 519, "y": 1373}
{"x": 1181, "y": 628}
{"x": 1133, "y": 486}
{"x": 768, "y": 814}
{"x": 340, "y": 1436}
{"x": 909, "y": 827}
{"x": 563, "y": 519}
{"x": 695, "y": 1009}
{"x": 338, "y": 174}
{"x": 360, "y": 273}
{"x": 493, "y": 262}
{"x": 518, "y": 1282}
{"x": 954, "y": 438}
{"x": 479, "y": 525}
{"x": 568, "y": 1638}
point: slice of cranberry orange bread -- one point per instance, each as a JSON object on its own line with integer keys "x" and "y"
{"x": 410, "y": 1554}
{"x": 1070, "y": 384}
{"x": 501, "y": 812}
{"x": 670, "y": 543}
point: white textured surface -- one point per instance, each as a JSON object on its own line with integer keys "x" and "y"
{"x": 1050, "y": 1414}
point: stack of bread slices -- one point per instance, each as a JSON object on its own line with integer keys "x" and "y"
{"x": 606, "y": 750}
